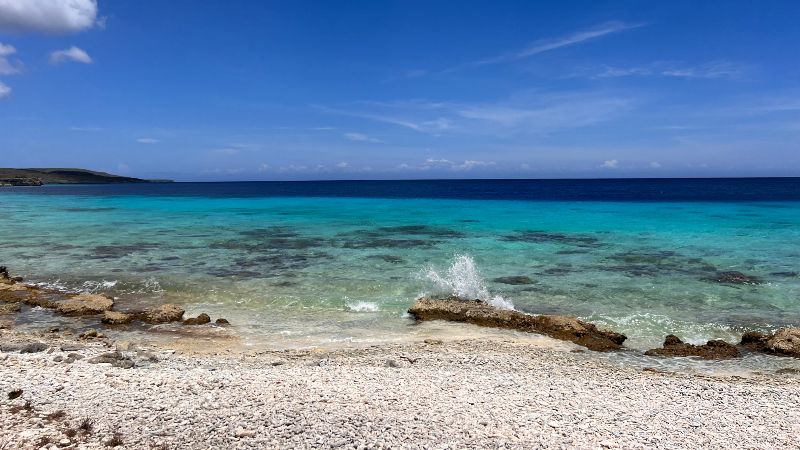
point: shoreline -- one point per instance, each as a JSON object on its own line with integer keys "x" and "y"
{"x": 496, "y": 393}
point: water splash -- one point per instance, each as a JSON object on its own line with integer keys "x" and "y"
{"x": 463, "y": 280}
{"x": 362, "y": 307}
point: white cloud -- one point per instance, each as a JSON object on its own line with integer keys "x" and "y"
{"x": 263, "y": 167}
{"x": 47, "y": 16}
{"x": 442, "y": 163}
{"x": 146, "y": 140}
{"x": 6, "y": 67}
{"x": 343, "y": 165}
{"x": 655, "y": 165}
{"x": 5, "y": 91}
{"x": 359, "y": 137}
{"x": 610, "y": 164}
{"x": 70, "y": 54}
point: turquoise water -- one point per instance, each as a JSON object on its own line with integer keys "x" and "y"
{"x": 314, "y": 271}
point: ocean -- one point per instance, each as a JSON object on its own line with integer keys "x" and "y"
{"x": 296, "y": 264}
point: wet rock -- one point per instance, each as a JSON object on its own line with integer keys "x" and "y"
{"x": 116, "y": 359}
{"x": 71, "y": 347}
{"x": 202, "y": 319}
{"x": 514, "y": 280}
{"x": 32, "y": 347}
{"x": 755, "y": 341}
{"x": 222, "y": 321}
{"x": 715, "y": 349}
{"x": 91, "y": 333}
{"x": 85, "y": 304}
{"x": 6, "y": 309}
{"x": 161, "y": 314}
{"x": 734, "y": 277}
{"x": 785, "y": 342}
{"x": 116, "y": 318}
{"x": 479, "y": 313}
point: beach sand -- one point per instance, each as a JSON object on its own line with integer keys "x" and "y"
{"x": 488, "y": 393}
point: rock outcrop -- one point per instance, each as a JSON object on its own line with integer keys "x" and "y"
{"x": 84, "y": 305}
{"x": 6, "y": 309}
{"x": 479, "y": 313}
{"x": 161, "y": 314}
{"x": 715, "y": 349}
{"x": 201, "y": 319}
{"x": 116, "y": 318}
{"x": 785, "y": 342}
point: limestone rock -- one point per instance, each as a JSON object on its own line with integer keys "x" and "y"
{"x": 202, "y": 319}
{"x": 6, "y": 309}
{"x": 85, "y": 304}
{"x": 116, "y": 318}
{"x": 162, "y": 314}
{"x": 479, "y": 313}
{"x": 715, "y": 349}
{"x": 785, "y": 342}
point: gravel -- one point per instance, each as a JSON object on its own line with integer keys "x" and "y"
{"x": 453, "y": 394}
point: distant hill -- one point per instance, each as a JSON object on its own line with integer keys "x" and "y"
{"x": 38, "y": 177}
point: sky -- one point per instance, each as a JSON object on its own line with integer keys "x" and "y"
{"x": 283, "y": 90}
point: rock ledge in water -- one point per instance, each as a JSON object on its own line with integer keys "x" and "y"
{"x": 84, "y": 304}
{"x": 479, "y": 313}
{"x": 785, "y": 342}
{"x": 716, "y": 349}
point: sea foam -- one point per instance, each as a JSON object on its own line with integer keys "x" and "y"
{"x": 463, "y": 280}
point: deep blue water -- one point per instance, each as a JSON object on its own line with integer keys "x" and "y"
{"x": 635, "y": 190}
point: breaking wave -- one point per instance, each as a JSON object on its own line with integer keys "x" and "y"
{"x": 463, "y": 280}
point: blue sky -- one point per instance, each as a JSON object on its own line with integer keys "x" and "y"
{"x": 260, "y": 90}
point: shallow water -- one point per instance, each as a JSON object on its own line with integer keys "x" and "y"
{"x": 300, "y": 270}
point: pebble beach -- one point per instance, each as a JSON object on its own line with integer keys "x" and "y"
{"x": 61, "y": 391}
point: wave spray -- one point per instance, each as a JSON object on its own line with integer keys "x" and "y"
{"x": 463, "y": 280}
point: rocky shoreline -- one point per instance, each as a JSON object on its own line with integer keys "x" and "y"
{"x": 58, "y": 390}
{"x": 63, "y": 389}
{"x": 784, "y": 342}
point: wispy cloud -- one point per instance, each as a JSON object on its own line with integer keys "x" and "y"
{"x": 360, "y": 137}
{"x": 146, "y": 140}
{"x": 73, "y": 54}
{"x": 6, "y": 66}
{"x": 710, "y": 70}
{"x": 5, "y": 91}
{"x": 82, "y": 129}
{"x": 550, "y": 44}
{"x": 716, "y": 69}
{"x": 525, "y": 112}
